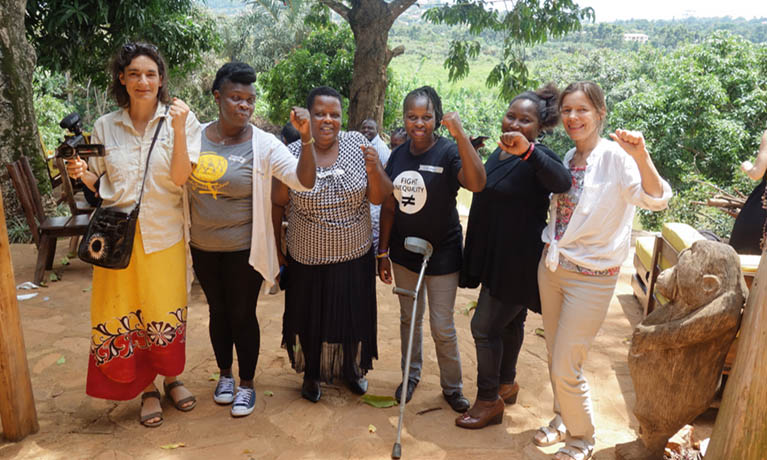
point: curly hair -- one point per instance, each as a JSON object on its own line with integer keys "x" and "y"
{"x": 124, "y": 56}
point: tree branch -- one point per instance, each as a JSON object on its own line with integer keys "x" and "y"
{"x": 391, "y": 53}
{"x": 339, "y": 8}
{"x": 397, "y": 7}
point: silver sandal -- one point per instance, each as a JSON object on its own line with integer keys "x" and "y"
{"x": 577, "y": 450}
{"x": 552, "y": 436}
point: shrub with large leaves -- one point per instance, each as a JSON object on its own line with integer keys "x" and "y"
{"x": 703, "y": 114}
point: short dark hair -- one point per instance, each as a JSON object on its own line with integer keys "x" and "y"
{"x": 322, "y": 91}
{"x": 124, "y": 56}
{"x": 546, "y": 100}
{"x": 289, "y": 133}
{"x": 235, "y": 72}
{"x": 431, "y": 94}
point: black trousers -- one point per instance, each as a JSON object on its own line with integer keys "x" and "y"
{"x": 498, "y": 330}
{"x": 231, "y": 287}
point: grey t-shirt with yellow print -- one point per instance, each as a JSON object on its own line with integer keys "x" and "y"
{"x": 221, "y": 197}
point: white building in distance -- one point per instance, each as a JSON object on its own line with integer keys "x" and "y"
{"x": 640, "y": 38}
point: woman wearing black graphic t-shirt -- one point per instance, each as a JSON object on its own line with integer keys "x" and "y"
{"x": 427, "y": 171}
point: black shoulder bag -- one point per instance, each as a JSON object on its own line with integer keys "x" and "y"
{"x": 108, "y": 242}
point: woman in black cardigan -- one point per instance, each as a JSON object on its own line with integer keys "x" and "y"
{"x": 503, "y": 247}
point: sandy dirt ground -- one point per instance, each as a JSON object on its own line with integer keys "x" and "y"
{"x": 285, "y": 426}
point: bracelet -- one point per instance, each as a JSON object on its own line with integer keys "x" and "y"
{"x": 309, "y": 142}
{"x": 529, "y": 151}
{"x": 383, "y": 255}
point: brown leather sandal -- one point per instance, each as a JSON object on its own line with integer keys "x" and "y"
{"x": 180, "y": 403}
{"x": 144, "y": 419}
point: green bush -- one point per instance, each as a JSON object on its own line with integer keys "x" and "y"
{"x": 325, "y": 57}
{"x": 50, "y": 109}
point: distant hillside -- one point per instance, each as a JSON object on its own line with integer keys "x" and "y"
{"x": 225, "y": 7}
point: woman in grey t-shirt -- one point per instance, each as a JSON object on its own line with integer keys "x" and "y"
{"x": 231, "y": 237}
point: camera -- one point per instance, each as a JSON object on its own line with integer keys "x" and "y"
{"x": 76, "y": 143}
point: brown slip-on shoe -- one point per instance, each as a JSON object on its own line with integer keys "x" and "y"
{"x": 483, "y": 413}
{"x": 508, "y": 392}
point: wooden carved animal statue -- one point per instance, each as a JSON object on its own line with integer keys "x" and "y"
{"x": 677, "y": 353}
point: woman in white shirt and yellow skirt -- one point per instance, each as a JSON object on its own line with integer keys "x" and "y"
{"x": 138, "y": 314}
{"x": 587, "y": 239}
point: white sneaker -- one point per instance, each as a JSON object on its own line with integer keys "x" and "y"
{"x": 244, "y": 402}
{"x": 224, "y": 392}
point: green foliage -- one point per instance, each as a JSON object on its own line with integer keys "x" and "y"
{"x": 50, "y": 109}
{"x": 81, "y": 36}
{"x": 263, "y": 33}
{"x": 701, "y": 117}
{"x": 18, "y": 230}
{"x": 686, "y": 206}
{"x": 529, "y": 22}
{"x": 325, "y": 57}
{"x": 704, "y": 112}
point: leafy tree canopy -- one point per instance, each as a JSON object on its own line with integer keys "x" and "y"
{"x": 702, "y": 116}
{"x": 527, "y": 22}
{"x": 80, "y": 36}
{"x": 325, "y": 57}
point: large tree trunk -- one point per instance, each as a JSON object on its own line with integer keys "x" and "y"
{"x": 370, "y": 21}
{"x": 18, "y": 129}
{"x": 740, "y": 432}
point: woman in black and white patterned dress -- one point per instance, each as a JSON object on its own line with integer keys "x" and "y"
{"x": 329, "y": 326}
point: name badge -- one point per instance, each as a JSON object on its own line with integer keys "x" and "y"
{"x": 332, "y": 172}
{"x": 432, "y": 169}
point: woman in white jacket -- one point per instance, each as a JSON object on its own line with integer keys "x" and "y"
{"x": 232, "y": 242}
{"x": 587, "y": 240}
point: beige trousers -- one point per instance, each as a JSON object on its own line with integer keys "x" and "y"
{"x": 573, "y": 306}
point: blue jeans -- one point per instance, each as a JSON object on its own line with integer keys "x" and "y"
{"x": 498, "y": 330}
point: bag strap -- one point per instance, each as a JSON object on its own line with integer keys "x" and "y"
{"x": 148, "y": 156}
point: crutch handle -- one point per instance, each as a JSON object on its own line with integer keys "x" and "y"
{"x": 405, "y": 292}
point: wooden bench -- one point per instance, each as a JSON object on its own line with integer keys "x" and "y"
{"x": 653, "y": 254}
{"x": 45, "y": 230}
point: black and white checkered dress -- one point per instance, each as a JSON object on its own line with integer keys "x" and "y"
{"x": 331, "y": 222}
{"x": 329, "y": 325}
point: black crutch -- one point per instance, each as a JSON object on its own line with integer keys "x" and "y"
{"x": 423, "y": 247}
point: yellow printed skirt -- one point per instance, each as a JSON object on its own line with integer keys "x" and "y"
{"x": 138, "y": 319}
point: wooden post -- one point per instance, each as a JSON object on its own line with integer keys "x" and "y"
{"x": 17, "y": 405}
{"x": 740, "y": 432}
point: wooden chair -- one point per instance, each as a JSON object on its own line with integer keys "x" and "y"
{"x": 54, "y": 173}
{"x": 76, "y": 201}
{"x": 45, "y": 230}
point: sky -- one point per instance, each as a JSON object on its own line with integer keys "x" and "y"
{"x": 611, "y": 10}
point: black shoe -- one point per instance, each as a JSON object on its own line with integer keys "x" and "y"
{"x": 411, "y": 384}
{"x": 311, "y": 390}
{"x": 358, "y": 386}
{"x": 457, "y": 401}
